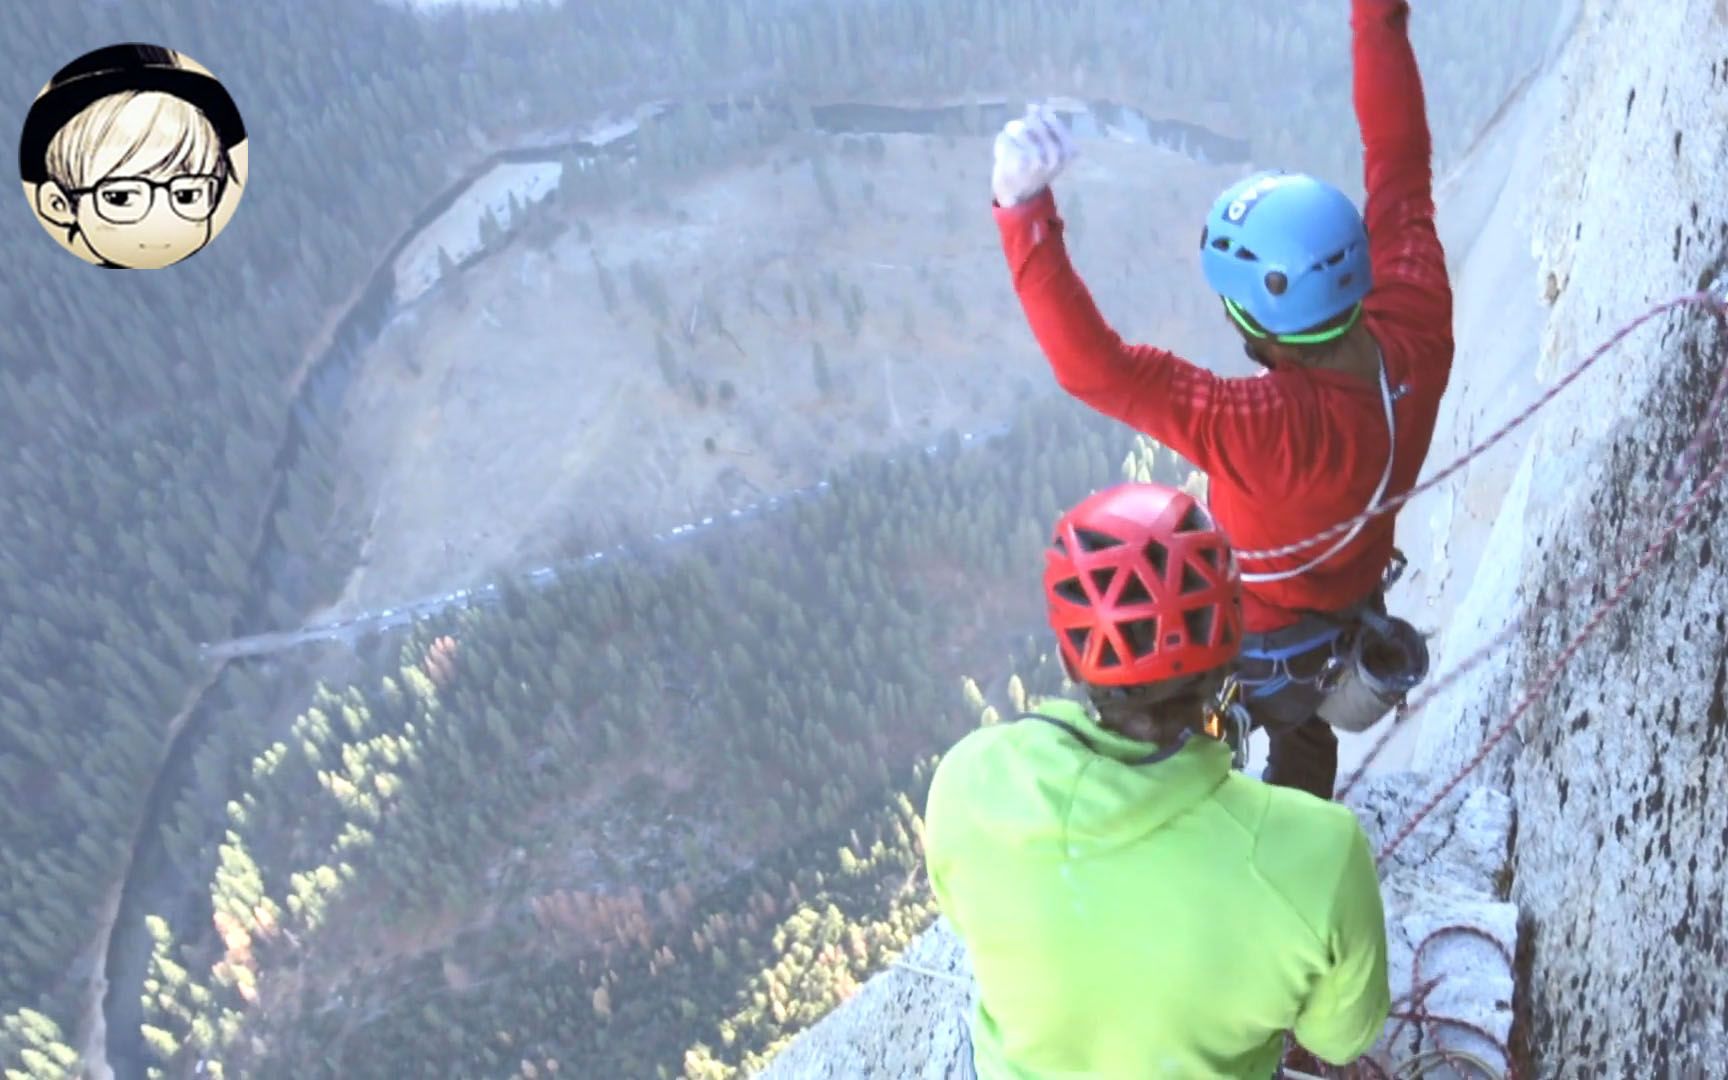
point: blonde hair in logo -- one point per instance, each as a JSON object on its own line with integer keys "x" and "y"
{"x": 135, "y": 133}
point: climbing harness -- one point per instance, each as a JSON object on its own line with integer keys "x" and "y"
{"x": 1337, "y": 651}
{"x": 1266, "y": 669}
{"x": 1361, "y": 520}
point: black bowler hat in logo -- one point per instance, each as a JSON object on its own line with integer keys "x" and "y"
{"x": 112, "y": 70}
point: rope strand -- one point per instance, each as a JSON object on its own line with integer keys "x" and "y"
{"x": 1552, "y": 672}
{"x": 1483, "y": 447}
{"x": 1705, "y": 436}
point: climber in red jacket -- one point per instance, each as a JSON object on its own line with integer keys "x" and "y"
{"x": 1352, "y": 322}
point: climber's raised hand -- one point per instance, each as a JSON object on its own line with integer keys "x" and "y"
{"x": 1030, "y": 153}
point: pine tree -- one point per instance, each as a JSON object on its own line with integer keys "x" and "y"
{"x": 664, "y": 357}
{"x": 608, "y": 290}
{"x": 491, "y": 232}
{"x": 825, "y": 186}
{"x": 819, "y": 368}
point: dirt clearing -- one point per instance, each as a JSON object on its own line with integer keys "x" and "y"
{"x": 513, "y": 418}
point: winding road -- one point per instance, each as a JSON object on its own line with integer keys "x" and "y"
{"x": 348, "y": 629}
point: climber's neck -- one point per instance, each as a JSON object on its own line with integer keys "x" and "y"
{"x": 1356, "y": 355}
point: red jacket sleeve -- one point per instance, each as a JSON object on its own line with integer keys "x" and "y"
{"x": 1410, "y": 284}
{"x": 1247, "y": 430}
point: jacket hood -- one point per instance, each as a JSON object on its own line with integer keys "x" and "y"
{"x": 1051, "y": 790}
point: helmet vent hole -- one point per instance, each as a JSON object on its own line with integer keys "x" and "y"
{"x": 1107, "y": 657}
{"x": 1195, "y": 520}
{"x": 1141, "y": 637}
{"x": 1199, "y": 624}
{"x": 1157, "y": 557}
{"x": 1071, "y": 591}
{"x": 1221, "y": 244}
{"x": 1091, "y": 540}
{"x": 1246, "y": 256}
{"x": 1213, "y": 559}
{"x": 1077, "y": 638}
{"x": 1060, "y": 545}
{"x": 1276, "y": 283}
{"x": 1335, "y": 258}
{"x": 1101, "y": 580}
{"x": 1134, "y": 592}
{"x": 1192, "y": 582}
{"x": 1344, "y": 282}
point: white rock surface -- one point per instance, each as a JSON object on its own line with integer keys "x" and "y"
{"x": 1617, "y": 773}
{"x": 904, "y": 1024}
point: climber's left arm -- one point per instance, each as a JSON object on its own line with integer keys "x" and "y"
{"x": 1411, "y": 288}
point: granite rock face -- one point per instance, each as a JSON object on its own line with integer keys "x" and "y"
{"x": 1617, "y": 771}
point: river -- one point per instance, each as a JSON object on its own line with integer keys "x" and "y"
{"x": 154, "y": 883}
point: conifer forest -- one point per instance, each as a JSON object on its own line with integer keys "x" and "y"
{"x": 648, "y": 819}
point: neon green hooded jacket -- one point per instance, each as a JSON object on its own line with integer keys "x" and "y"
{"x": 1171, "y": 919}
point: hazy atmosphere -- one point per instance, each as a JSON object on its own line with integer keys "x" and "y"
{"x": 495, "y": 611}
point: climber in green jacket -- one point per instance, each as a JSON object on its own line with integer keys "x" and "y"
{"x": 1132, "y": 906}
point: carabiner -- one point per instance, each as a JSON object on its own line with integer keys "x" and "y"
{"x": 1228, "y": 706}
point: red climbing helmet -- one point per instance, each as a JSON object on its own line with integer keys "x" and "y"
{"x": 1141, "y": 586}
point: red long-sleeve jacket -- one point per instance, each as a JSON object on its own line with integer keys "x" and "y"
{"x": 1295, "y": 451}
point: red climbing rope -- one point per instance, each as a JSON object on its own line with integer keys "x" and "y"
{"x": 1416, "y": 1011}
{"x": 1553, "y": 670}
{"x": 1707, "y": 432}
{"x": 1413, "y": 1009}
{"x": 1707, "y": 298}
{"x": 1681, "y": 466}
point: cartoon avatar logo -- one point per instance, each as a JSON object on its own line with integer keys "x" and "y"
{"x": 133, "y": 157}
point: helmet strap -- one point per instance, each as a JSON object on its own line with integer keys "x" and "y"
{"x": 1310, "y": 337}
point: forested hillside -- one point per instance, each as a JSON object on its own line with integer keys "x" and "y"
{"x": 144, "y": 414}
{"x": 528, "y": 798}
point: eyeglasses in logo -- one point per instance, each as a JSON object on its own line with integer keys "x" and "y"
{"x": 133, "y": 157}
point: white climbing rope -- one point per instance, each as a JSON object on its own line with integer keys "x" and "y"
{"x": 1430, "y": 1061}
{"x": 945, "y": 976}
{"x": 1358, "y": 523}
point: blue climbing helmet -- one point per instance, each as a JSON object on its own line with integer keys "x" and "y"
{"x": 1288, "y": 254}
